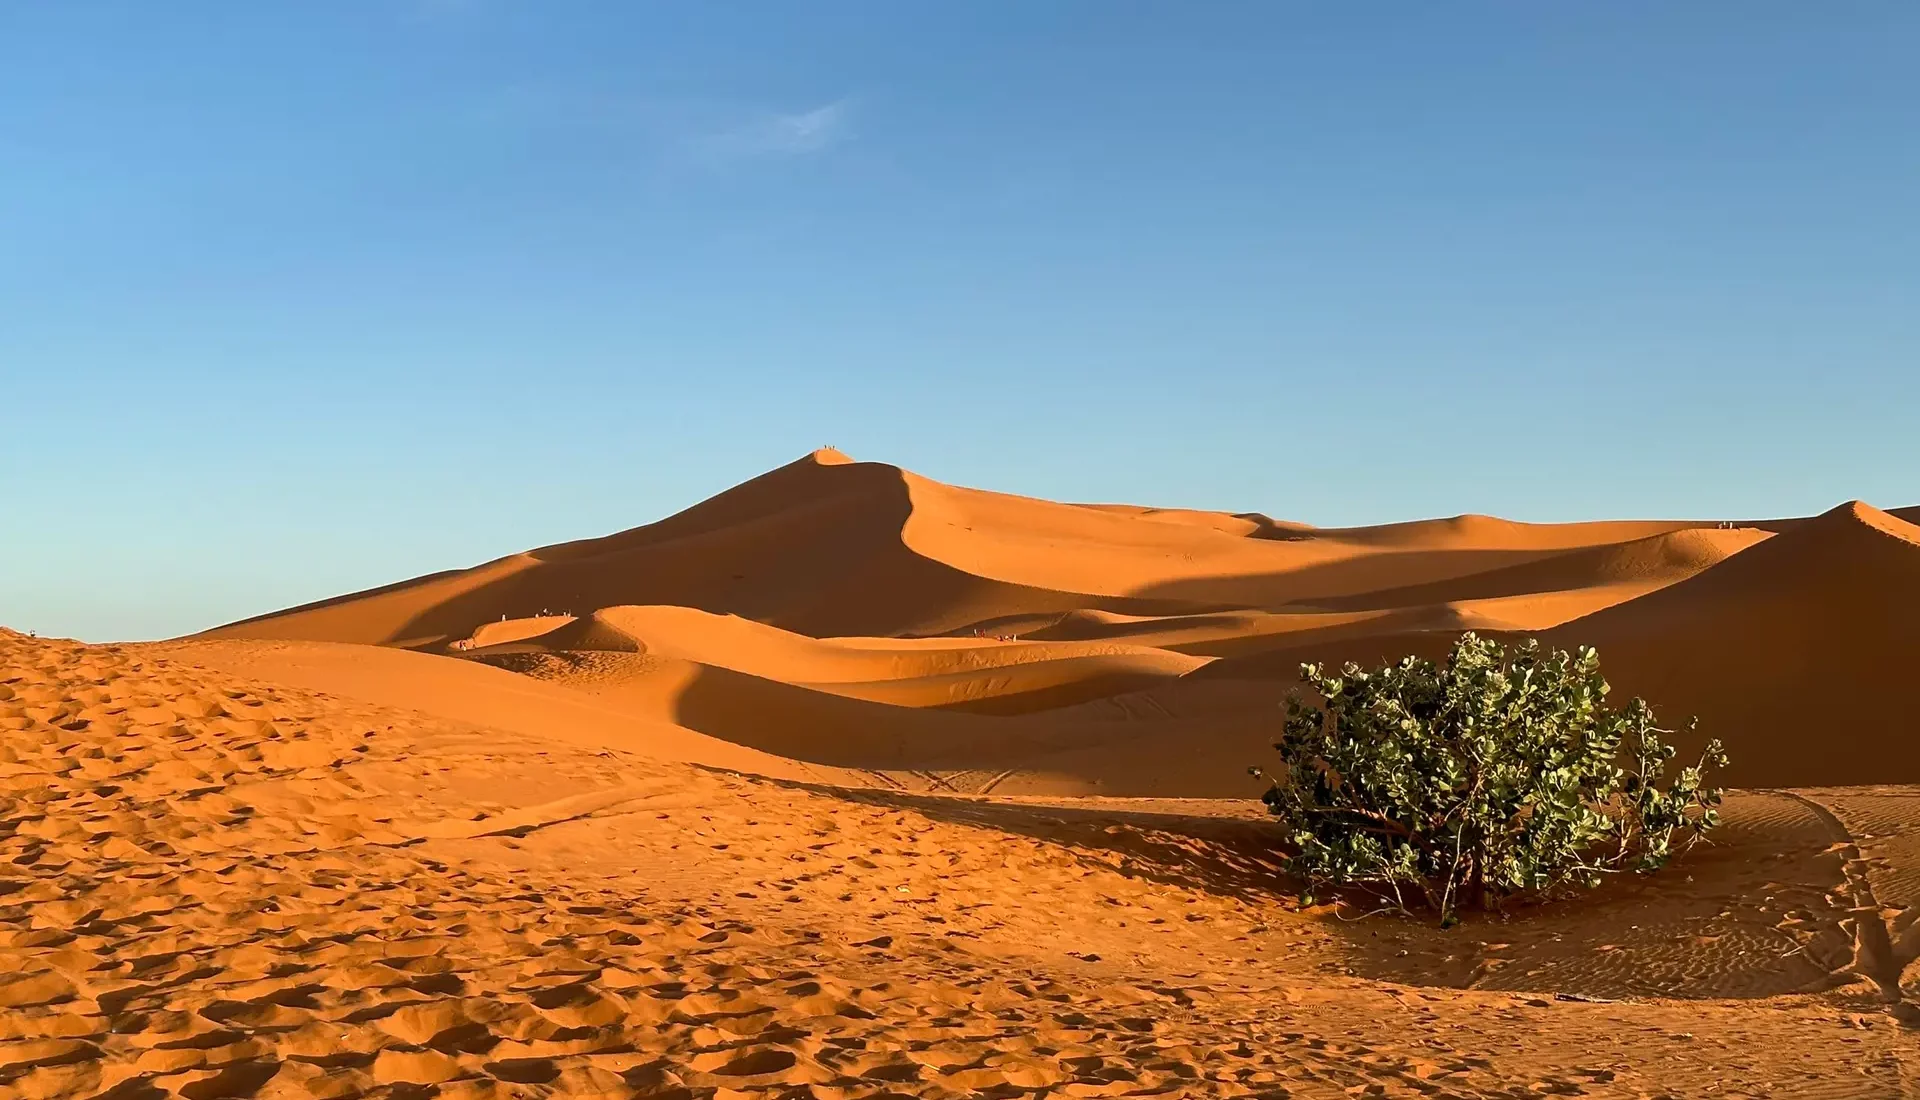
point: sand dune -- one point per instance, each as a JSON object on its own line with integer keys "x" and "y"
{"x": 830, "y": 547}
{"x": 464, "y": 691}
{"x": 728, "y": 641}
{"x": 979, "y": 675}
{"x": 1608, "y": 569}
{"x": 1253, "y": 525}
{"x": 976, "y": 736}
{"x": 815, "y": 547}
{"x": 1477, "y": 532}
{"x": 514, "y": 630}
{"x": 1794, "y": 652}
{"x": 834, "y": 614}
{"x": 1211, "y": 634}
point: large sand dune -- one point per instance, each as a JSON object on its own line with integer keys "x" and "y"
{"x": 1800, "y": 653}
{"x": 842, "y": 615}
{"x": 828, "y": 546}
{"x": 821, "y": 547}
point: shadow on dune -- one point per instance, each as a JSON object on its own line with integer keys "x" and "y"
{"x": 814, "y": 547}
{"x": 1671, "y": 556}
{"x": 1797, "y": 653}
{"x": 1228, "y": 856}
{"x": 1281, "y": 663}
{"x": 1694, "y": 930}
{"x": 231, "y": 630}
{"x": 823, "y": 728}
{"x": 1073, "y": 742}
{"x": 1273, "y": 530}
{"x": 1345, "y": 579}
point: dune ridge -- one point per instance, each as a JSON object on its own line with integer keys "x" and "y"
{"x": 815, "y": 546}
{"x": 1642, "y": 563}
{"x": 859, "y": 619}
{"x": 1798, "y": 642}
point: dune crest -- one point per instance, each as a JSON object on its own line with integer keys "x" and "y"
{"x": 830, "y": 546}
{"x": 838, "y": 614}
{"x": 1795, "y": 643}
{"x": 815, "y": 546}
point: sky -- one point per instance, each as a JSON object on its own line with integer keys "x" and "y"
{"x": 301, "y": 298}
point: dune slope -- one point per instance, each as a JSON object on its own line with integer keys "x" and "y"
{"x": 857, "y": 619}
{"x": 1796, "y": 653}
{"x": 814, "y": 547}
{"x": 1640, "y": 564}
{"x": 828, "y": 546}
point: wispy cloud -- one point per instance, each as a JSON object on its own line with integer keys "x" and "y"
{"x": 677, "y": 133}
{"x": 773, "y": 134}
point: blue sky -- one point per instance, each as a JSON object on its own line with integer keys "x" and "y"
{"x": 301, "y": 298}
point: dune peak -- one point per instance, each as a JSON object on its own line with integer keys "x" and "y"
{"x": 830, "y": 456}
{"x": 1858, "y": 513}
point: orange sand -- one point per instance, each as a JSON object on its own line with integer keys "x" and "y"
{"x": 857, "y": 616}
{"x": 846, "y": 783}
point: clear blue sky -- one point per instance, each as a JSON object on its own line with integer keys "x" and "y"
{"x": 300, "y": 298}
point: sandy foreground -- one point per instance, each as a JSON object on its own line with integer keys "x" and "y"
{"x": 849, "y": 784}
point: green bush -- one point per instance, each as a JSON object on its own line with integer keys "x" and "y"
{"x": 1490, "y": 775}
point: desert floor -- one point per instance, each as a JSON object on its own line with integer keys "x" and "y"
{"x": 846, "y": 783}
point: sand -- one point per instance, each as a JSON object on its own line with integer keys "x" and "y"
{"x": 1809, "y": 639}
{"x": 854, "y": 615}
{"x": 847, "y": 783}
